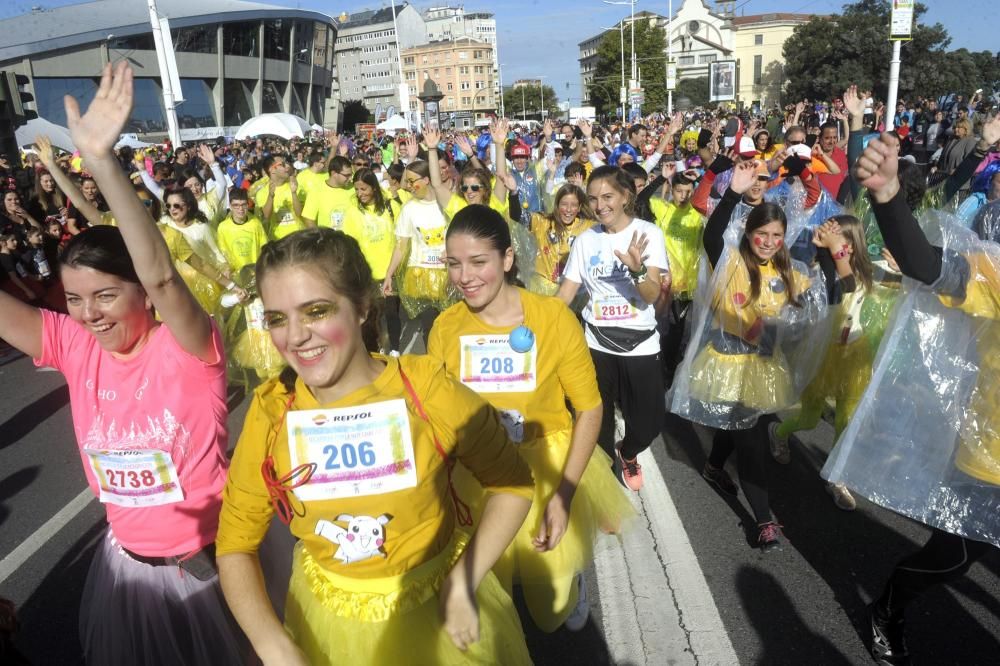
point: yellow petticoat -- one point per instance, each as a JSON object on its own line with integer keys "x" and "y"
{"x": 759, "y": 383}
{"x": 424, "y": 288}
{"x": 599, "y": 505}
{"x": 396, "y": 620}
{"x": 844, "y": 376}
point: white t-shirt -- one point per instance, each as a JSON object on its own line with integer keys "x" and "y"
{"x": 425, "y": 225}
{"x": 614, "y": 298}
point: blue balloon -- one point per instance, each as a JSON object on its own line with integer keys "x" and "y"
{"x": 522, "y": 339}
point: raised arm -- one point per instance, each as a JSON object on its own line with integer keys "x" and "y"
{"x": 432, "y": 136}
{"x": 95, "y": 134}
{"x": 65, "y": 183}
{"x": 965, "y": 170}
{"x": 877, "y": 170}
{"x": 498, "y": 131}
{"x": 208, "y": 157}
{"x": 743, "y": 177}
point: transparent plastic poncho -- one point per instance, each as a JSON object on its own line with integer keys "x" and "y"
{"x": 252, "y": 356}
{"x": 925, "y": 438}
{"x": 749, "y": 358}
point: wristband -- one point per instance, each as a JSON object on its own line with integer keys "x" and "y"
{"x": 638, "y": 276}
{"x": 230, "y": 285}
{"x": 844, "y": 251}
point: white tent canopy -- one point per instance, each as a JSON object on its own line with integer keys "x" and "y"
{"x": 59, "y": 136}
{"x": 394, "y": 124}
{"x": 131, "y": 141}
{"x": 284, "y": 125}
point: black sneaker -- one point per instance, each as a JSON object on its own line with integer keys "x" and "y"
{"x": 769, "y": 536}
{"x": 720, "y": 479}
{"x": 888, "y": 641}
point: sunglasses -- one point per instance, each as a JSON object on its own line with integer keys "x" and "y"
{"x": 795, "y": 143}
{"x": 360, "y": 164}
{"x": 474, "y": 188}
{"x": 175, "y": 206}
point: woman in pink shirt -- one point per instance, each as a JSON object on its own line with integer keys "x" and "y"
{"x": 149, "y": 413}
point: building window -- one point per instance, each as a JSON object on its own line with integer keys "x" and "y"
{"x": 198, "y": 109}
{"x": 465, "y": 85}
{"x": 271, "y": 99}
{"x": 758, "y": 62}
{"x": 147, "y": 113}
{"x": 463, "y": 55}
{"x": 237, "y": 101}
{"x": 685, "y": 60}
{"x": 197, "y": 39}
{"x": 758, "y": 40}
{"x": 49, "y": 96}
{"x": 143, "y": 42}
{"x": 711, "y": 57}
{"x": 408, "y": 60}
{"x": 277, "y": 39}
{"x": 451, "y": 86}
{"x": 303, "y": 41}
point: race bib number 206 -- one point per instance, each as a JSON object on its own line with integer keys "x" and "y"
{"x": 363, "y": 450}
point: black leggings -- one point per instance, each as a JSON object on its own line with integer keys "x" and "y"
{"x": 426, "y": 319}
{"x": 635, "y": 384}
{"x": 944, "y": 558}
{"x": 393, "y": 324}
{"x": 752, "y": 462}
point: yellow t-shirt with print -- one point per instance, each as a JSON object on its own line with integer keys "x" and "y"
{"x": 240, "y": 244}
{"x": 421, "y": 519}
{"x": 328, "y": 205}
{"x": 564, "y": 367}
{"x": 309, "y": 180}
{"x": 682, "y": 232}
{"x": 553, "y": 248}
{"x": 375, "y": 233}
{"x": 735, "y": 314}
{"x": 283, "y": 220}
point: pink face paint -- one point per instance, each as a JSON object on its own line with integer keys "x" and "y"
{"x": 778, "y": 243}
{"x": 337, "y": 338}
{"x": 739, "y": 298}
{"x": 758, "y": 241}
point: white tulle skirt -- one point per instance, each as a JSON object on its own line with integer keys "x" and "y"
{"x": 135, "y": 613}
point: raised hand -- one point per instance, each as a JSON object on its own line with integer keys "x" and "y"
{"x": 744, "y": 175}
{"x": 636, "y": 253}
{"x": 498, "y": 131}
{"x": 668, "y": 169}
{"x": 463, "y": 144}
{"x": 585, "y": 128}
{"x": 412, "y": 148}
{"x": 44, "y": 147}
{"x": 991, "y": 130}
{"x": 432, "y": 137}
{"x": 547, "y": 128}
{"x": 676, "y": 123}
{"x": 877, "y": 167}
{"x": 97, "y": 131}
{"x": 205, "y": 153}
{"x": 854, "y": 102}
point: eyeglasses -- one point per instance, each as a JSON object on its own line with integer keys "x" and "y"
{"x": 176, "y": 206}
{"x": 795, "y": 143}
{"x": 474, "y": 188}
{"x": 411, "y": 181}
{"x": 345, "y": 175}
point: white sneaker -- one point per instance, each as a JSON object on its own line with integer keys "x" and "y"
{"x": 842, "y": 497}
{"x": 577, "y": 620}
{"x": 779, "y": 445}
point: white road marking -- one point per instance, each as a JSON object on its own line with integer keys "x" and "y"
{"x": 657, "y": 608}
{"x": 413, "y": 340}
{"x": 41, "y": 536}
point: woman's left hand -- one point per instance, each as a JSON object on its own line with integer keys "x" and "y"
{"x": 554, "y": 523}
{"x": 97, "y": 131}
{"x": 459, "y": 609}
{"x": 633, "y": 258}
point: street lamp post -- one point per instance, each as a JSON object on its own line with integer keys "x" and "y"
{"x": 621, "y": 92}
{"x": 634, "y": 70}
{"x": 541, "y": 90}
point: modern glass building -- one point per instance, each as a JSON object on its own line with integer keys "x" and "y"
{"x": 235, "y": 60}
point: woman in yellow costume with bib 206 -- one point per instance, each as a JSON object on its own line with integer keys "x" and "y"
{"x": 354, "y": 451}
{"x": 526, "y": 355}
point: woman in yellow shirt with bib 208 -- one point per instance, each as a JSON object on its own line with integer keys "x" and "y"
{"x": 526, "y": 355}
{"x": 354, "y": 451}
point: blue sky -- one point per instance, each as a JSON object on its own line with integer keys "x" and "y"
{"x": 540, "y": 38}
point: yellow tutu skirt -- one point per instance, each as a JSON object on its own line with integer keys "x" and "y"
{"x": 758, "y": 383}
{"x": 540, "y": 285}
{"x": 424, "y": 288}
{"x": 599, "y": 505}
{"x": 339, "y": 620}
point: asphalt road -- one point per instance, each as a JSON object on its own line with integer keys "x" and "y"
{"x": 802, "y": 605}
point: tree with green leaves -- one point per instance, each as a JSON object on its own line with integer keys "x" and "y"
{"x": 525, "y": 101}
{"x": 356, "y": 112}
{"x": 827, "y": 54}
{"x": 650, "y": 52}
{"x": 695, "y": 90}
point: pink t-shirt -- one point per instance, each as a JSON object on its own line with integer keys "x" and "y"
{"x": 162, "y": 399}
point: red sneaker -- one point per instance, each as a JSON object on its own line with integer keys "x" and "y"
{"x": 631, "y": 471}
